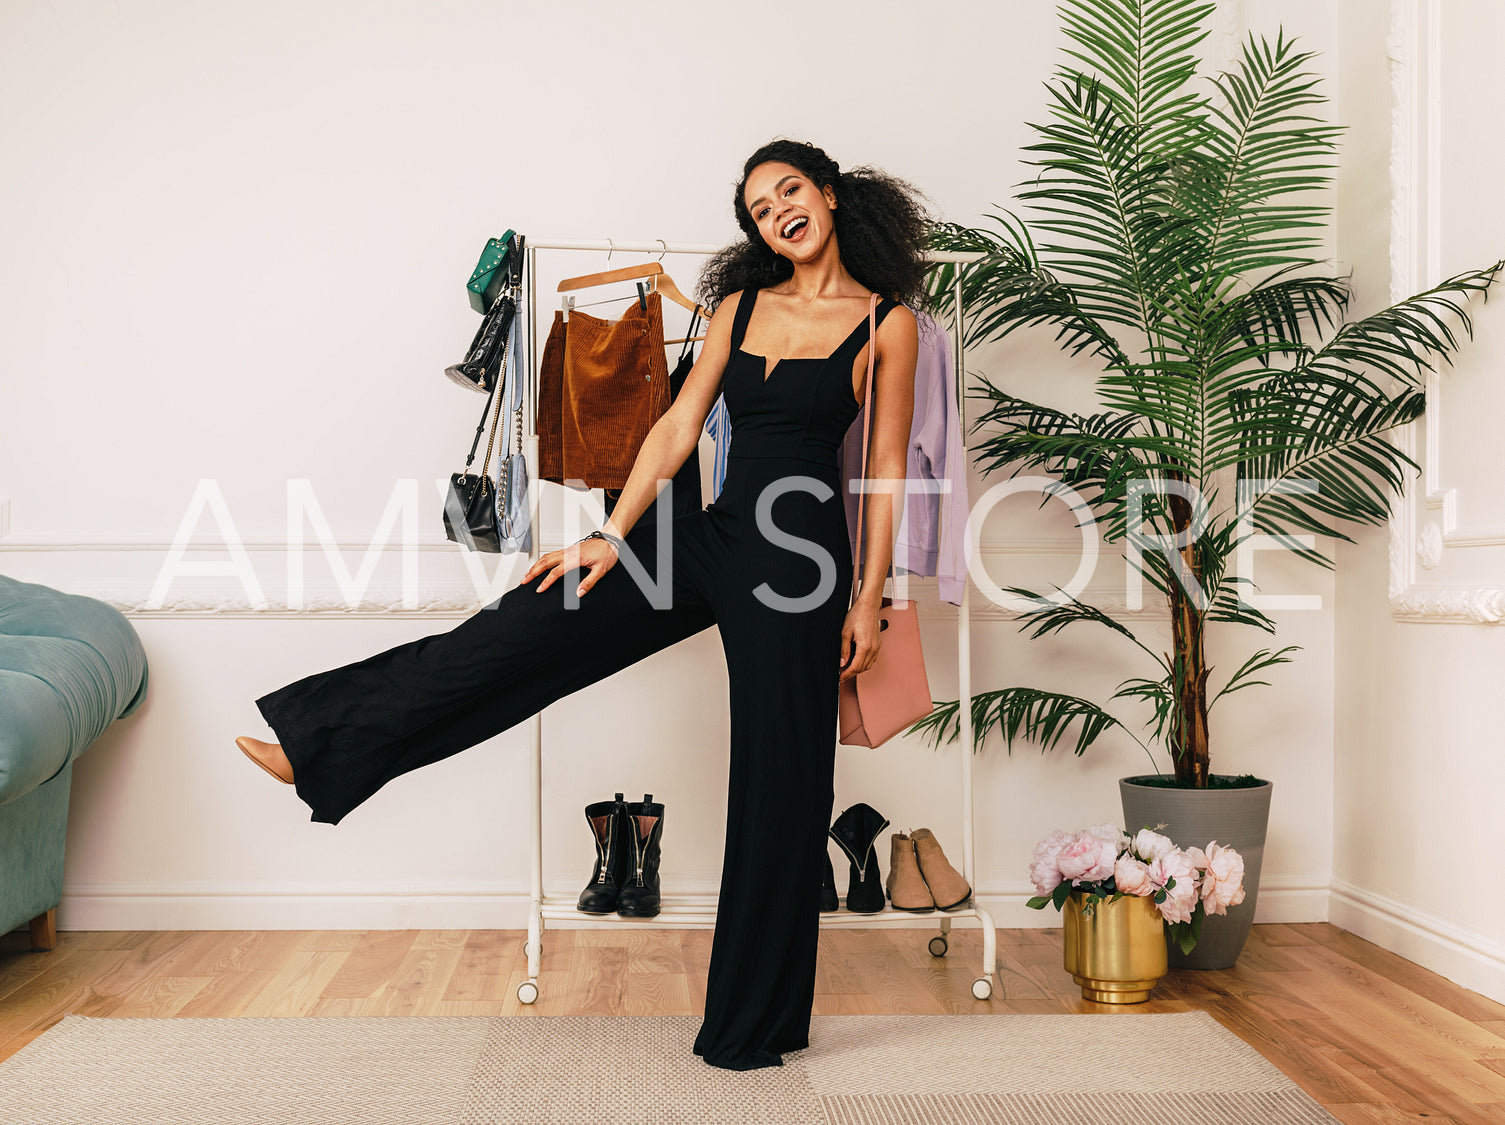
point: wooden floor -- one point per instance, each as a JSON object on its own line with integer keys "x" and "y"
{"x": 1371, "y": 1036}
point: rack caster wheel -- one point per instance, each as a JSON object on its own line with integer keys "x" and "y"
{"x": 982, "y": 988}
{"x": 527, "y": 992}
{"x": 938, "y": 946}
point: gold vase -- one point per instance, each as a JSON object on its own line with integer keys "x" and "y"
{"x": 1117, "y": 953}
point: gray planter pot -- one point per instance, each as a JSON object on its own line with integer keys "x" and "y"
{"x": 1235, "y": 818}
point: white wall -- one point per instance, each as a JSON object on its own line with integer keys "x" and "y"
{"x": 234, "y": 245}
{"x": 1420, "y": 651}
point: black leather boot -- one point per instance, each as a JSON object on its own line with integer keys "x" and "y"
{"x": 828, "y": 899}
{"x": 639, "y": 897}
{"x": 855, "y": 830}
{"x": 608, "y": 824}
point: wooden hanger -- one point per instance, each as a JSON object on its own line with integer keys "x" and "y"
{"x": 627, "y": 273}
{"x": 662, "y": 283}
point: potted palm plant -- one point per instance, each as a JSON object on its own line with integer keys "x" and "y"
{"x": 1175, "y": 222}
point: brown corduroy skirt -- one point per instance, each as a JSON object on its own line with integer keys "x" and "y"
{"x": 602, "y": 384}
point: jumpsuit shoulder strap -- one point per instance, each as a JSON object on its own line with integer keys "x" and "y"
{"x": 745, "y": 304}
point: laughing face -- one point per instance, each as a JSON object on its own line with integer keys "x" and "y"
{"x": 793, "y": 215}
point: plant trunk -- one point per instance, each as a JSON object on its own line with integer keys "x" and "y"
{"x": 1189, "y": 726}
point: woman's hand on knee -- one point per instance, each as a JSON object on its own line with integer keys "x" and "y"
{"x": 860, "y": 640}
{"x": 597, "y": 556}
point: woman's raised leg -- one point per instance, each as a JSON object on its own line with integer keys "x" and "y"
{"x": 350, "y": 730}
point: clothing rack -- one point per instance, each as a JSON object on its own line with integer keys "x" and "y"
{"x": 700, "y": 909}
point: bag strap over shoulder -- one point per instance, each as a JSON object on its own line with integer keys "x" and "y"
{"x": 867, "y": 425}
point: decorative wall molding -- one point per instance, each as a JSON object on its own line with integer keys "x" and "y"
{"x": 133, "y": 573}
{"x": 1416, "y": 212}
{"x": 452, "y": 601}
{"x": 352, "y": 544}
{"x": 1460, "y": 605}
{"x": 1429, "y": 546}
{"x": 458, "y": 600}
{"x": 345, "y": 544}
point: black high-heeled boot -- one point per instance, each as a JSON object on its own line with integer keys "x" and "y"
{"x": 828, "y": 899}
{"x": 639, "y": 897}
{"x": 855, "y": 830}
{"x": 608, "y": 824}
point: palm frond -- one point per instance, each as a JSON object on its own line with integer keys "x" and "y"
{"x": 1021, "y": 714}
{"x": 1276, "y": 312}
{"x": 1330, "y": 460}
{"x": 1096, "y": 455}
{"x": 1120, "y": 244}
{"x": 1168, "y": 395}
{"x": 1161, "y": 697}
{"x": 1399, "y": 340}
{"x": 1051, "y": 616}
{"x": 1244, "y": 677}
{"x": 1318, "y": 450}
{"x": 1141, "y": 52}
{"x": 1229, "y": 608}
{"x": 1311, "y": 445}
{"x": 1266, "y": 148}
{"x": 1119, "y": 122}
{"x": 1010, "y": 289}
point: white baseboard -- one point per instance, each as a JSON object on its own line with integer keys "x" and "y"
{"x": 1280, "y": 900}
{"x": 494, "y": 905}
{"x": 1466, "y": 958}
{"x": 292, "y": 906}
{"x": 1291, "y": 900}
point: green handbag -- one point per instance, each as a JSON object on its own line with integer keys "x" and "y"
{"x": 489, "y": 277}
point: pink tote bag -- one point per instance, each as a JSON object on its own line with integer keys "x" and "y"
{"x": 894, "y": 693}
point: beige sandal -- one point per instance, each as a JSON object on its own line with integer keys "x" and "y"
{"x": 265, "y": 754}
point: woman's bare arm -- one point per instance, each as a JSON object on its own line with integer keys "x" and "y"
{"x": 887, "y": 461}
{"x": 888, "y": 448}
{"x": 673, "y": 438}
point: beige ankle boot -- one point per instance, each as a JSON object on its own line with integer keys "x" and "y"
{"x": 906, "y": 886}
{"x": 947, "y": 887}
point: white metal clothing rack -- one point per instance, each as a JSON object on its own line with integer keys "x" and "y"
{"x": 700, "y": 909}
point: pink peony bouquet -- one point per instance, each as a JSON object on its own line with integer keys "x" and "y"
{"x": 1103, "y": 862}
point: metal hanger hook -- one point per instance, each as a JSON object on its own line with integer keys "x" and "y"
{"x": 665, "y": 250}
{"x": 609, "y": 249}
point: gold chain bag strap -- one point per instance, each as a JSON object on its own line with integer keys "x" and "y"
{"x": 894, "y": 693}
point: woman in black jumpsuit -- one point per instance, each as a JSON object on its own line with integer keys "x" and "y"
{"x": 769, "y": 563}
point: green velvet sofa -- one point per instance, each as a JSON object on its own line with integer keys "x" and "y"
{"x": 70, "y": 665}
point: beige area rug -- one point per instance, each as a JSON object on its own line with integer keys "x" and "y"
{"x": 1151, "y": 1069}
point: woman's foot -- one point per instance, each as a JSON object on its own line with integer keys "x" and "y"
{"x": 267, "y": 755}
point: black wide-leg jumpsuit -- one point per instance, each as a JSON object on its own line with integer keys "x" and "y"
{"x": 769, "y": 562}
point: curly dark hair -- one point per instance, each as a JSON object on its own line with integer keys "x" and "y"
{"x": 881, "y": 230}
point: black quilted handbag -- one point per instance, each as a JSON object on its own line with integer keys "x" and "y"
{"x": 470, "y": 502}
